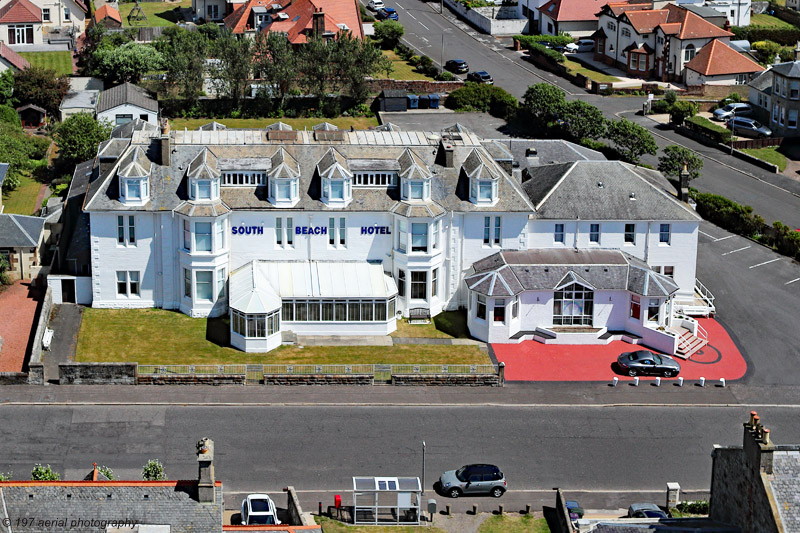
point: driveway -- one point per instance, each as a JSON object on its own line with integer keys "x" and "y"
{"x": 18, "y": 304}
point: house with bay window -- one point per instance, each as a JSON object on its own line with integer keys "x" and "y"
{"x": 36, "y": 22}
{"x": 775, "y": 96}
{"x": 327, "y": 232}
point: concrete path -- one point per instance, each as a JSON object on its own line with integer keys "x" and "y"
{"x": 65, "y": 323}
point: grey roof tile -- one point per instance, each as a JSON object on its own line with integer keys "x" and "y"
{"x": 126, "y": 93}
{"x": 790, "y": 69}
{"x": 785, "y": 484}
{"x": 125, "y": 131}
{"x": 20, "y": 231}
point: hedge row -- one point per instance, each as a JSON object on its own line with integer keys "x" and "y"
{"x": 702, "y": 125}
{"x": 559, "y": 40}
{"x": 483, "y": 97}
{"x": 558, "y": 57}
{"x": 784, "y": 36}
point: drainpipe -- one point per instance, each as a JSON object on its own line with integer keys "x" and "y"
{"x": 647, "y": 244}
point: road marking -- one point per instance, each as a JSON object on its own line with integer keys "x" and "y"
{"x": 410, "y": 15}
{"x": 707, "y": 234}
{"x": 723, "y": 238}
{"x": 423, "y": 25}
{"x": 734, "y": 251}
{"x": 514, "y": 491}
{"x": 788, "y": 282}
{"x": 766, "y": 262}
{"x": 392, "y": 405}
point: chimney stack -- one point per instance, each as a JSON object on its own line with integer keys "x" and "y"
{"x": 205, "y": 476}
{"x": 532, "y": 157}
{"x": 684, "y": 179}
{"x": 318, "y": 23}
{"x": 164, "y": 140}
{"x": 445, "y": 154}
{"x": 757, "y": 445}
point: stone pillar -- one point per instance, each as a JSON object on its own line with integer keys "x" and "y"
{"x": 673, "y": 495}
{"x": 205, "y": 476}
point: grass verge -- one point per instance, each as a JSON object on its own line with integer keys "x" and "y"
{"x": 61, "y": 62}
{"x": 514, "y": 524}
{"x": 334, "y": 526}
{"x": 344, "y": 123}
{"x": 770, "y": 155}
{"x": 157, "y": 13}
{"x": 158, "y": 336}
{"x": 576, "y": 67}
{"x": 447, "y": 325}
{"x": 22, "y": 200}
{"x": 768, "y": 21}
{"x": 403, "y": 70}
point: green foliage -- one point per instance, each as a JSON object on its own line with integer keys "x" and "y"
{"x": 716, "y": 132}
{"x": 6, "y": 86}
{"x": 233, "y": 66}
{"x": 9, "y": 115}
{"x": 3, "y": 476}
{"x": 78, "y": 136}
{"x": 728, "y": 214}
{"x": 365, "y": 16}
{"x": 483, "y": 97}
{"x": 611, "y": 153}
{"x": 315, "y": 66}
{"x": 782, "y": 36}
{"x": 106, "y": 471}
{"x": 184, "y": 54}
{"x": 445, "y": 76}
{"x": 526, "y": 41}
{"x": 674, "y": 157}
{"x": 659, "y": 107}
{"x": 766, "y": 50}
{"x": 4, "y": 280}
{"x": 354, "y": 60}
{"x": 44, "y": 473}
{"x": 696, "y": 507}
{"x": 670, "y": 96}
{"x": 544, "y": 102}
{"x": 549, "y": 53}
{"x": 41, "y": 87}
{"x": 583, "y": 120}
{"x": 20, "y": 151}
{"x": 632, "y": 140}
{"x": 210, "y": 31}
{"x": 153, "y": 471}
{"x": 388, "y": 32}
{"x": 680, "y": 111}
{"x": 275, "y": 62}
{"x": 126, "y": 63}
{"x": 787, "y": 240}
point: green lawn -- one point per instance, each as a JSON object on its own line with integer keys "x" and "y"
{"x": 509, "y": 523}
{"x": 61, "y": 62}
{"x": 158, "y": 13}
{"x": 768, "y": 21}
{"x": 334, "y": 526}
{"x": 359, "y": 123}
{"x": 576, "y": 67}
{"x": 22, "y": 200}
{"x": 157, "y": 336}
{"x": 770, "y": 155}
{"x": 403, "y": 70}
{"x": 447, "y": 325}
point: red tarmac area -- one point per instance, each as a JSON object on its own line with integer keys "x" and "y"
{"x": 533, "y": 361}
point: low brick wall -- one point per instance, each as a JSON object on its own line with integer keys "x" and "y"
{"x": 13, "y": 378}
{"x": 414, "y": 86}
{"x": 43, "y": 318}
{"x": 197, "y": 379}
{"x": 470, "y": 380}
{"x": 97, "y": 373}
{"x": 318, "y": 379}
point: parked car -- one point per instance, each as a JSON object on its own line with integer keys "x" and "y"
{"x": 375, "y": 5}
{"x": 583, "y": 45}
{"x": 646, "y": 510}
{"x": 646, "y": 362}
{"x": 747, "y": 127}
{"x": 724, "y": 113}
{"x": 480, "y": 76}
{"x": 473, "y": 479}
{"x": 386, "y": 13}
{"x": 259, "y": 510}
{"x": 459, "y": 66}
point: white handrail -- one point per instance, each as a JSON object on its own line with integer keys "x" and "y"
{"x": 701, "y": 333}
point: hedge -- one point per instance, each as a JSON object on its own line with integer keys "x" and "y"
{"x": 784, "y": 36}
{"x": 716, "y": 132}
{"x": 558, "y": 57}
{"x": 483, "y": 97}
{"x": 558, "y": 40}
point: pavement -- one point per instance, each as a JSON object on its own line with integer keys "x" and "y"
{"x": 65, "y": 323}
{"x": 17, "y": 327}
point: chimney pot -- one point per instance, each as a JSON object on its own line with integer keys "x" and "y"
{"x": 765, "y": 440}
{"x": 753, "y": 415}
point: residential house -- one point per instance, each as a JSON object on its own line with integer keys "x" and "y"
{"x": 719, "y": 64}
{"x": 78, "y": 102}
{"x": 123, "y": 103}
{"x": 10, "y": 59}
{"x": 298, "y": 19}
{"x": 652, "y": 42}
{"x": 707, "y": 13}
{"x": 27, "y": 22}
{"x": 576, "y": 17}
{"x": 736, "y": 12}
{"x": 760, "y": 96}
{"x": 108, "y": 15}
{"x": 21, "y": 244}
{"x": 778, "y": 91}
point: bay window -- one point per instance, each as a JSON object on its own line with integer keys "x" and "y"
{"x": 349, "y": 310}
{"x": 402, "y": 235}
{"x": 419, "y": 237}
{"x": 255, "y": 326}
{"x": 500, "y": 310}
{"x": 203, "y": 281}
{"x": 187, "y": 235}
{"x": 434, "y": 282}
{"x": 220, "y": 235}
{"x": 653, "y": 308}
{"x": 419, "y": 285}
{"x": 202, "y": 236}
{"x": 401, "y": 282}
{"x": 220, "y": 283}
{"x": 636, "y": 307}
{"x": 480, "y": 308}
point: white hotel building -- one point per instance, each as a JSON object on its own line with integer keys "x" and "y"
{"x": 340, "y": 232}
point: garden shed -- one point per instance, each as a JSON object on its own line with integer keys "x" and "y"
{"x": 32, "y": 116}
{"x": 393, "y": 100}
{"x": 386, "y": 500}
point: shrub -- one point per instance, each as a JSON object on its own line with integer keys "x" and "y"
{"x": 445, "y": 76}
{"x": 670, "y": 97}
{"x": 9, "y": 115}
{"x": 106, "y": 471}
{"x": 716, "y": 132}
{"x": 784, "y": 36}
{"x": 4, "y": 280}
{"x": 728, "y": 214}
{"x": 557, "y": 57}
{"x": 680, "y": 111}
{"x": 482, "y": 97}
{"x": 697, "y": 507}
{"x": 44, "y": 473}
{"x": 388, "y": 33}
{"x": 559, "y": 40}
{"x": 153, "y": 471}
{"x": 365, "y": 16}
{"x": 659, "y": 107}
{"x": 5, "y": 477}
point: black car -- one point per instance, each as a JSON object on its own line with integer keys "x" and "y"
{"x": 480, "y": 76}
{"x": 645, "y": 362}
{"x": 459, "y": 66}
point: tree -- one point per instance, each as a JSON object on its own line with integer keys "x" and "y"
{"x": 9, "y": 115}
{"x": 544, "y": 101}
{"x": 632, "y": 140}
{"x": 126, "y": 63}
{"x": 232, "y": 66}
{"x": 153, "y": 471}
{"x": 44, "y": 473}
{"x": 275, "y": 61}
{"x": 680, "y": 111}
{"x": 19, "y": 149}
{"x": 184, "y": 55}
{"x": 670, "y": 96}
{"x": 583, "y": 120}
{"x": 78, "y": 136}
{"x": 675, "y": 157}
{"x": 97, "y": 38}
{"x": 314, "y": 63}
{"x": 354, "y": 60}
{"x": 6, "y": 86}
{"x": 41, "y": 87}
{"x": 210, "y": 31}
{"x": 388, "y": 32}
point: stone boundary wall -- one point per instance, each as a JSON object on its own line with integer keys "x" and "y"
{"x": 14, "y": 378}
{"x": 471, "y": 380}
{"x": 97, "y": 373}
{"x": 197, "y": 379}
{"x": 43, "y": 319}
{"x": 319, "y": 379}
{"x": 414, "y": 86}
{"x": 298, "y": 517}
{"x": 492, "y": 20}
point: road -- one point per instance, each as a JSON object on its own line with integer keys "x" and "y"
{"x": 443, "y": 37}
{"x": 319, "y": 448}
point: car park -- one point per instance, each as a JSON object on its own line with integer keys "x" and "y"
{"x": 459, "y": 66}
{"x": 582, "y": 45}
{"x": 747, "y": 127}
{"x": 259, "y": 510}
{"x": 731, "y": 110}
{"x": 387, "y": 13}
{"x": 646, "y": 510}
{"x": 473, "y": 479}
{"x": 645, "y": 362}
{"x": 375, "y": 5}
{"x": 480, "y": 76}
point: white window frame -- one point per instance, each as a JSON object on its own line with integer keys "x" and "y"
{"x": 418, "y": 284}
{"x": 244, "y": 178}
{"x": 487, "y": 231}
{"x": 219, "y": 234}
{"x": 402, "y": 235}
{"x": 665, "y": 235}
{"x": 375, "y": 179}
{"x": 187, "y": 283}
{"x": 337, "y": 232}
{"x": 210, "y": 284}
{"x": 499, "y": 303}
{"x": 220, "y": 280}
{"x": 480, "y": 301}
{"x": 196, "y": 234}
{"x": 126, "y": 230}
{"x": 45, "y": 14}
{"x": 632, "y": 234}
{"x": 594, "y": 233}
{"x": 559, "y": 234}
{"x": 187, "y": 235}
{"x": 126, "y": 278}
{"x": 497, "y": 236}
{"x": 67, "y": 15}
{"x": 424, "y": 235}
{"x": 435, "y": 283}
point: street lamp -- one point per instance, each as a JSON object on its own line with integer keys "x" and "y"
{"x": 423, "y": 467}
{"x": 733, "y": 127}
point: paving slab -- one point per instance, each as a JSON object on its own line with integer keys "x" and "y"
{"x": 18, "y": 303}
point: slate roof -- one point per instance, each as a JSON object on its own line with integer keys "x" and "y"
{"x": 126, "y": 130}
{"x": 703, "y": 11}
{"x": 20, "y": 11}
{"x": 790, "y": 69}
{"x": 13, "y": 58}
{"x": 156, "y": 503}
{"x": 3, "y": 172}
{"x": 127, "y": 93}
{"x": 785, "y": 485}
{"x": 80, "y": 99}
{"x": 602, "y": 190}
{"x": 509, "y": 273}
{"x": 763, "y": 82}
{"x": 20, "y": 231}
{"x": 717, "y": 58}
{"x": 693, "y": 26}
{"x": 548, "y": 151}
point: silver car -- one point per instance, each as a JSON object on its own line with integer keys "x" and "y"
{"x": 747, "y": 127}
{"x": 473, "y": 479}
{"x": 646, "y": 510}
{"x": 731, "y": 110}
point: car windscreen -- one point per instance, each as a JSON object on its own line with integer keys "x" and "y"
{"x": 756, "y": 124}
{"x": 262, "y": 520}
{"x": 460, "y": 473}
{"x": 260, "y": 506}
{"x": 657, "y": 359}
{"x": 728, "y": 107}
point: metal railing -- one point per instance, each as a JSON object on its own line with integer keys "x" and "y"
{"x": 253, "y": 370}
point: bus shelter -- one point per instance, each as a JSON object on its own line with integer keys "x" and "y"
{"x": 386, "y": 500}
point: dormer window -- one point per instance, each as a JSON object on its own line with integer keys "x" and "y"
{"x": 134, "y": 178}
{"x": 203, "y": 177}
{"x": 284, "y": 180}
{"x": 336, "y": 178}
{"x": 483, "y": 179}
{"x": 415, "y": 178}
{"x": 417, "y": 190}
{"x": 483, "y": 191}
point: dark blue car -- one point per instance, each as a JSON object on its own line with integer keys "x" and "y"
{"x": 387, "y": 13}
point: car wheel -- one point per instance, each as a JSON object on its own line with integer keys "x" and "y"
{"x": 668, "y": 373}
{"x": 454, "y": 493}
{"x": 497, "y": 492}
{"x": 633, "y": 372}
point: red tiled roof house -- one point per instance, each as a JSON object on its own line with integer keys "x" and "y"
{"x": 109, "y": 16}
{"x": 719, "y": 64}
{"x": 10, "y": 59}
{"x": 576, "y": 17}
{"x": 26, "y": 22}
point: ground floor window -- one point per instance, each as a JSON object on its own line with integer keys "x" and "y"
{"x": 127, "y": 283}
{"x": 500, "y": 310}
{"x": 480, "y": 308}
{"x": 636, "y": 307}
{"x": 255, "y": 326}
{"x": 20, "y": 34}
{"x": 653, "y": 310}
{"x": 343, "y": 310}
{"x": 573, "y": 306}
{"x": 419, "y": 285}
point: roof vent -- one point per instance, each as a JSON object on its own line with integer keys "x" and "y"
{"x": 30, "y": 496}
{"x": 600, "y": 185}
{"x": 530, "y": 151}
{"x": 605, "y": 269}
{"x": 586, "y": 269}
{"x": 108, "y": 496}
{"x": 146, "y": 496}
{"x": 69, "y": 496}
{"x": 546, "y": 269}
{"x": 633, "y": 196}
